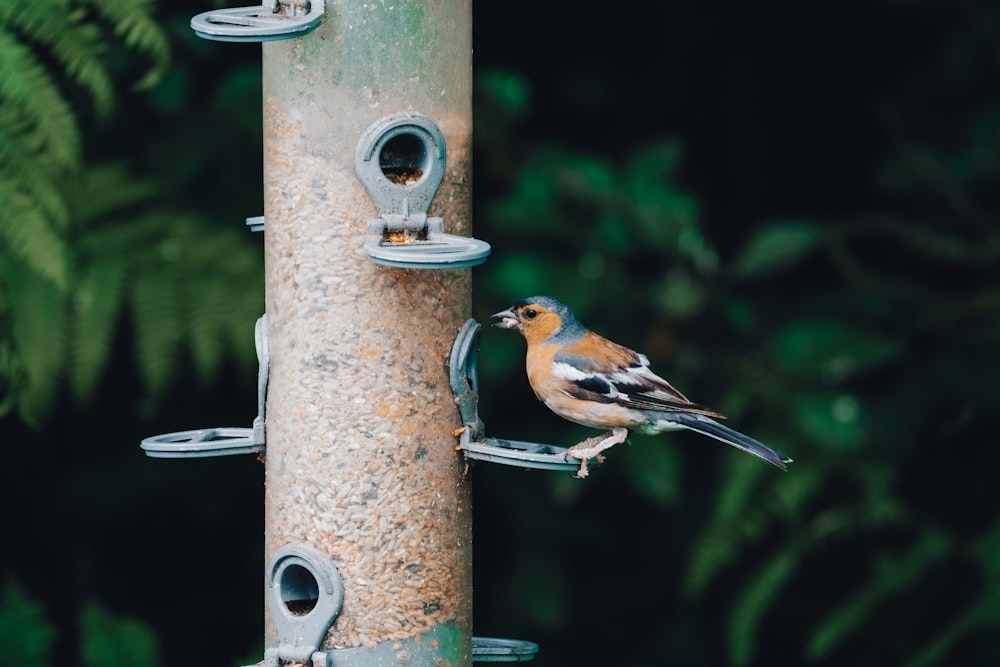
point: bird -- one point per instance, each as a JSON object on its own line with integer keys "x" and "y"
{"x": 592, "y": 381}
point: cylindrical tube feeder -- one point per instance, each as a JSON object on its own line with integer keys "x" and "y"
{"x": 361, "y": 466}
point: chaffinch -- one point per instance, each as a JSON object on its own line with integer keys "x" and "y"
{"x": 592, "y": 381}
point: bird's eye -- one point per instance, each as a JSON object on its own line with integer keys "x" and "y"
{"x": 530, "y": 313}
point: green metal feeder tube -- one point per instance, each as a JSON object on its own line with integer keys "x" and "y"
{"x": 361, "y": 463}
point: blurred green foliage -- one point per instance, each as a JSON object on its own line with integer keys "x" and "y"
{"x": 26, "y": 637}
{"x": 112, "y": 641}
{"x": 107, "y": 640}
{"x": 856, "y": 332}
{"x": 85, "y": 242}
{"x": 859, "y": 343}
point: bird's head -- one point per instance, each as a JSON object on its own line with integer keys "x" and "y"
{"x": 539, "y": 318}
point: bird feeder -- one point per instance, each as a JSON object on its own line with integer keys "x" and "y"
{"x": 367, "y": 162}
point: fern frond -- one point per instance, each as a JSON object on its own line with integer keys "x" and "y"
{"x": 208, "y": 310}
{"x": 12, "y": 378}
{"x": 787, "y": 498}
{"x": 754, "y": 601}
{"x": 25, "y": 231}
{"x": 226, "y": 300}
{"x": 893, "y": 574}
{"x": 727, "y": 528}
{"x": 29, "y": 170}
{"x": 133, "y": 21}
{"x": 881, "y": 505}
{"x": 156, "y": 325}
{"x": 188, "y": 285}
{"x": 72, "y": 41}
{"x": 246, "y": 303}
{"x": 103, "y": 196}
{"x": 980, "y": 614}
{"x": 39, "y": 332}
{"x": 26, "y": 84}
{"x": 96, "y": 305}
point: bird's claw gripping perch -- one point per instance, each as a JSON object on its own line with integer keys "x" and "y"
{"x": 591, "y": 448}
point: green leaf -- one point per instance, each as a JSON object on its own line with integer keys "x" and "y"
{"x": 26, "y": 637}
{"x": 679, "y": 294}
{"x": 509, "y": 89}
{"x": 531, "y": 199}
{"x": 775, "y": 248}
{"x": 833, "y": 419}
{"x": 73, "y": 41}
{"x": 663, "y": 210}
{"x": 31, "y": 90}
{"x": 893, "y": 575}
{"x": 979, "y": 615}
{"x": 96, "y": 305}
{"x": 26, "y": 231}
{"x": 542, "y": 588}
{"x": 653, "y": 468}
{"x": 833, "y": 349}
{"x": 115, "y": 641}
{"x": 517, "y": 275}
{"x": 754, "y": 601}
{"x": 728, "y": 527}
{"x": 209, "y": 309}
{"x": 133, "y": 21}
{"x": 39, "y": 334}
{"x": 157, "y": 325}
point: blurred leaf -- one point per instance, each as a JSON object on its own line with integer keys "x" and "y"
{"x": 134, "y": 24}
{"x": 613, "y": 235}
{"x": 680, "y": 295}
{"x": 754, "y": 600}
{"x": 510, "y": 89}
{"x": 39, "y": 332}
{"x": 833, "y": 349}
{"x": 541, "y": 589}
{"x": 982, "y": 613}
{"x": 774, "y": 248}
{"x": 664, "y": 212}
{"x": 237, "y": 98}
{"x": 528, "y": 206}
{"x": 97, "y": 304}
{"x": 653, "y": 468}
{"x": 29, "y": 91}
{"x": 26, "y": 637}
{"x": 588, "y": 176}
{"x": 894, "y": 574}
{"x": 155, "y": 307}
{"x": 788, "y": 495}
{"x": 28, "y": 233}
{"x": 172, "y": 91}
{"x": 520, "y": 275}
{"x": 832, "y": 419}
{"x": 115, "y": 641}
{"x": 727, "y": 528}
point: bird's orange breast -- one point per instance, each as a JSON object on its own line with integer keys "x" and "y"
{"x": 539, "y": 367}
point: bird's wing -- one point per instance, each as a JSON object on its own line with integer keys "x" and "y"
{"x": 596, "y": 369}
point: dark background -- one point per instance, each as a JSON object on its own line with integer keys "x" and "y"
{"x": 823, "y": 273}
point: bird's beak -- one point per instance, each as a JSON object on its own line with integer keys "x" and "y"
{"x": 508, "y": 319}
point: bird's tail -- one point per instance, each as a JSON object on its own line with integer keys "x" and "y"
{"x": 714, "y": 429}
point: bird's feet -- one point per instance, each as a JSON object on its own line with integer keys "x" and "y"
{"x": 591, "y": 448}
